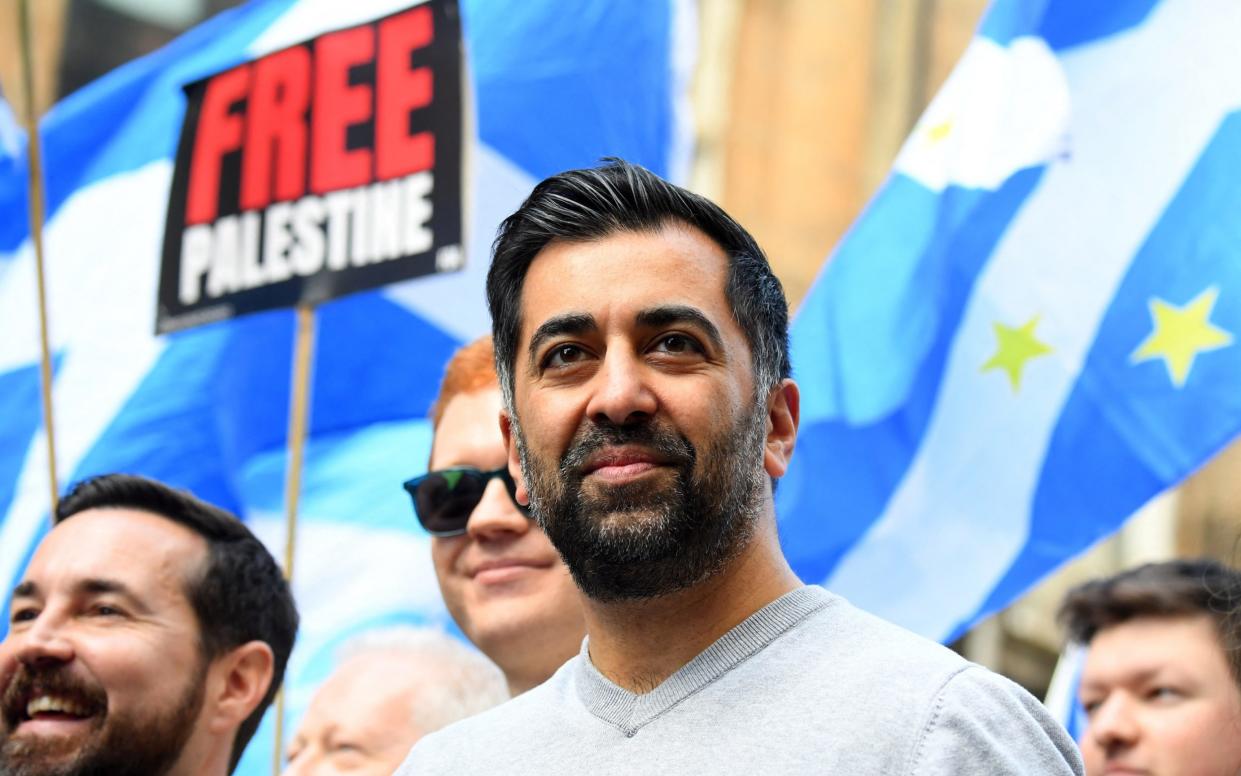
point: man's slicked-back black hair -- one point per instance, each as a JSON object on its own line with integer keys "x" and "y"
{"x": 1176, "y": 588}
{"x": 590, "y": 204}
{"x": 241, "y": 596}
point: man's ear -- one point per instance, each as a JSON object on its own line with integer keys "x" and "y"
{"x": 514, "y": 460}
{"x": 237, "y": 682}
{"x": 783, "y": 415}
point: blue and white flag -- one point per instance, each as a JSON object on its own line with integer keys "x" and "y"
{"x": 207, "y": 408}
{"x": 12, "y": 138}
{"x": 1033, "y": 328}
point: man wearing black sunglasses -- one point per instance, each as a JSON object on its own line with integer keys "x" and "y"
{"x": 501, "y": 579}
{"x": 641, "y": 341}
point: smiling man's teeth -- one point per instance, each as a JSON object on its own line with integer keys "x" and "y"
{"x": 53, "y": 705}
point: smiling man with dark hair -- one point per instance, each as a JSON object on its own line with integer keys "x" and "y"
{"x": 148, "y": 636}
{"x": 642, "y": 346}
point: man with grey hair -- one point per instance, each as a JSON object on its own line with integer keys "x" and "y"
{"x": 641, "y": 339}
{"x": 391, "y": 688}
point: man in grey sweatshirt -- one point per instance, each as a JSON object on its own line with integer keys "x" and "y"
{"x": 642, "y": 345}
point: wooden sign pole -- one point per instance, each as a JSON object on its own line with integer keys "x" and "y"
{"x": 299, "y": 411}
{"x": 36, "y": 237}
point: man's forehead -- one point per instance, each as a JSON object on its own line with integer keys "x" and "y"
{"x": 123, "y": 522}
{"x": 469, "y": 429}
{"x": 116, "y": 544}
{"x": 1142, "y": 647}
{"x": 378, "y": 678}
{"x": 631, "y": 271}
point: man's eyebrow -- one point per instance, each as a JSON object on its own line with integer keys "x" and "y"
{"x": 1137, "y": 676}
{"x": 668, "y": 315}
{"x": 89, "y": 586}
{"x": 101, "y": 586}
{"x": 569, "y": 323}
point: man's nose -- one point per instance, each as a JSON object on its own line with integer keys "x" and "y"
{"x": 44, "y": 641}
{"x": 621, "y": 393}
{"x": 1114, "y": 723}
{"x": 496, "y": 515}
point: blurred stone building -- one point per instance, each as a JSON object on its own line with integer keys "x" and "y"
{"x": 801, "y": 107}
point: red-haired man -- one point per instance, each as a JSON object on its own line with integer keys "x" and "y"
{"x": 501, "y": 578}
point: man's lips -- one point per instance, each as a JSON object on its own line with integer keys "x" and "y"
{"x": 54, "y": 725}
{"x": 500, "y": 570}
{"x": 620, "y": 464}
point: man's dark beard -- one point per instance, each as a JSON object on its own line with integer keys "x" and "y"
{"x": 117, "y": 744}
{"x": 643, "y": 539}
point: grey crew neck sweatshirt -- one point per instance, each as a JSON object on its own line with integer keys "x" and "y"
{"x": 808, "y": 684}
{"x": 628, "y": 712}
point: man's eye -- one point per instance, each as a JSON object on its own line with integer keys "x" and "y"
{"x": 1164, "y": 693}
{"x": 24, "y": 615}
{"x": 105, "y": 610}
{"x": 563, "y": 355}
{"x": 348, "y": 755}
{"x": 677, "y": 343}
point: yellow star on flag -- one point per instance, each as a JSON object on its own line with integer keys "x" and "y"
{"x": 1181, "y": 333}
{"x": 1014, "y": 347}
{"x": 940, "y": 131}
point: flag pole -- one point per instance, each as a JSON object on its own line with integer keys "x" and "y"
{"x": 36, "y": 237}
{"x": 299, "y": 407}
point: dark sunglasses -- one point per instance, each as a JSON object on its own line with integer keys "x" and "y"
{"x": 445, "y": 499}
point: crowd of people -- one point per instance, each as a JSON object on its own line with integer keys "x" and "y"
{"x": 599, "y": 495}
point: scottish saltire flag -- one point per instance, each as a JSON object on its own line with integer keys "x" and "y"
{"x": 207, "y": 408}
{"x": 1033, "y": 328}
